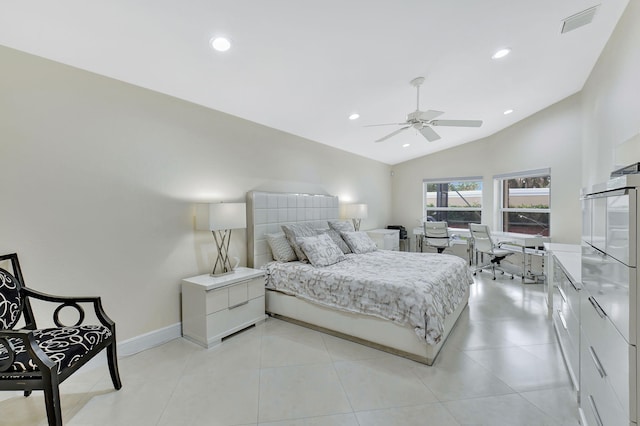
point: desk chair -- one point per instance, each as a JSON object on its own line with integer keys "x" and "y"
{"x": 436, "y": 235}
{"x": 482, "y": 243}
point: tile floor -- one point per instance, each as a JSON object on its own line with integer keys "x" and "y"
{"x": 500, "y": 366}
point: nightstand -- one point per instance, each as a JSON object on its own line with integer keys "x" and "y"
{"x": 385, "y": 239}
{"x": 215, "y": 307}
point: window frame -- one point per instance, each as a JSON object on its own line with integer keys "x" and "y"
{"x": 448, "y": 180}
{"x": 499, "y": 184}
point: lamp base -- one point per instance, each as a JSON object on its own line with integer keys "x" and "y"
{"x": 222, "y": 265}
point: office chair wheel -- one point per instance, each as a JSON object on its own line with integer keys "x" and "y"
{"x": 511, "y": 276}
{"x": 494, "y": 278}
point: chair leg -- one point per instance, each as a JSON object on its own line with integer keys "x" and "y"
{"x": 112, "y": 360}
{"x": 52, "y": 399}
{"x": 27, "y": 393}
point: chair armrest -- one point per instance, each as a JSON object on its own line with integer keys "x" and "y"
{"x": 28, "y": 340}
{"x": 73, "y": 301}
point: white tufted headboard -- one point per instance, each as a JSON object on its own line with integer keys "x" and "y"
{"x": 267, "y": 211}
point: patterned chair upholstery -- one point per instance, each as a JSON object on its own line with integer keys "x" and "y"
{"x": 41, "y": 359}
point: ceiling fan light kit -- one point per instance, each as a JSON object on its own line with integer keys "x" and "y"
{"x": 422, "y": 121}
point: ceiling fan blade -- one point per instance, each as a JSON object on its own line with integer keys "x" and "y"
{"x": 457, "y": 123}
{"x": 386, "y": 124}
{"x": 429, "y": 115}
{"x": 429, "y": 133}
{"x": 393, "y": 133}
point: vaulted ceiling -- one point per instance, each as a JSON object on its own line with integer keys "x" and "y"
{"x": 304, "y": 67}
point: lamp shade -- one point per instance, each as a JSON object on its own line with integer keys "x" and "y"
{"x": 213, "y": 217}
{"x": 355, "y": 211}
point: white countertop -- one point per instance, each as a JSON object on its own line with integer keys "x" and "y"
{"x": 571, "y": 262}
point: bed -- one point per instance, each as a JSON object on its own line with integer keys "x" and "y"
{"x": 403, "y": 303}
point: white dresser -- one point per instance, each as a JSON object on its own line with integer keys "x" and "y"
{"x": 385, "y": 239}
{"x": 215, "y": 307}
{"x": 609, "y": 373}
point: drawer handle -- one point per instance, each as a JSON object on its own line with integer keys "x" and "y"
{"x": 594, "y": 409}
{"x": 597, "y": 307}
{"x": 564, "y": 296}
{"x": 562, "y": 320}
{"x": 597, "y": 362}
{"x": 238, "y": 305}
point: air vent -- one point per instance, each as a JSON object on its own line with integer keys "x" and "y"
{"x": 579, "y": 19}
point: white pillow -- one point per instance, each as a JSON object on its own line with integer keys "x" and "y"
{"x": 295, "y": 231}
{"x": 321, "y": 250}
{"x": 337, "y": 238}
{"x": 280, "y": 247}
{"x": 359, "y": 242}
{"x": 342, "y": 225}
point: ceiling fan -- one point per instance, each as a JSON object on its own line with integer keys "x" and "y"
{"x": 423, "y": 121}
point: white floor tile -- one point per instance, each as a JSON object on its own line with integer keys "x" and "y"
{"x": 301, "y": 391}
{"x": 281, "y": 374}
{"x": 420, "y": 415}
{"x": 507, "y": 410}
{"x": 382, "y": 383}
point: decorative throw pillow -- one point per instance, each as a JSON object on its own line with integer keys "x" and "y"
{"x": 341, "y": 225}
{"x": 321, "y": 250}
{"x": 359, "y": 242}
{"x": 280, "y": 247}
{"x": 335, "y": 236}
{"x": 295, "y": 231}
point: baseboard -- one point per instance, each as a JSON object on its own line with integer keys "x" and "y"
{"x": 149, "y": 340}
{"x": 138, "y": 344}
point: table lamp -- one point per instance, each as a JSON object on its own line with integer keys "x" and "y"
{"x": 221, "y": 219}
{"x": 355, "y": 212}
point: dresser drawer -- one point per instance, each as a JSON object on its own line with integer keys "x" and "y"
{"x": 217, "y": 300}
{"x": 597, "y": 397}
{"x": 570, "y": 350}
{"x": 607, "y": 280}
{"x": 608, "y": 353}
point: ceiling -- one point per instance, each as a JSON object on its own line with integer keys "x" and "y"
{"x": 303, "y": 67}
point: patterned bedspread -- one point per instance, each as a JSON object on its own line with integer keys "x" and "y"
{"x": 416, "y": 289}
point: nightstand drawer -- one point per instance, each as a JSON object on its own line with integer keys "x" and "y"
{"x": 217, "y": 300}
{"x": 256, "y": 287}
{"x": 229, "y": 321}
{"x": 238, "y": 294}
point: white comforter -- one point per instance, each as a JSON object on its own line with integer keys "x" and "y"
{"x": 416, "y": 289}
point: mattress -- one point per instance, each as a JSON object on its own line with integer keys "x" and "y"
{"x": 414, "y": 289}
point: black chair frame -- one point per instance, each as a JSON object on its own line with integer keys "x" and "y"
{"x": 47, "y": 378}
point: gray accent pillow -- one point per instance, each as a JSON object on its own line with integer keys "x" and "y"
{"x": 280, "y": 247}
{"x": 321, "y": 250}
{"x": 359, "y": 242}
{"x": 337, "y": 238}
{"x": 341, "y": 225}
{"x": 295, "y": 231}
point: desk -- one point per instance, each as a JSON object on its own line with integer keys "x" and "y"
{"x": 525, "y": 244}
{"x": 459, "y": 236}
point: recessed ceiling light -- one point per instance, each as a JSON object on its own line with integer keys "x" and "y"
{"x": 406, "y": 145}
{"x": 220, "y": 44}
{"x": 501, "y": 53}
{"x": 354, "y": 116}
{"x": 507, "y": 112}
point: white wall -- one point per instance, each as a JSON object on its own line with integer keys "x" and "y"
{"x": 99, "y": 179}
{"x": 611, "y": 103}
{"x": 548, "y": 139}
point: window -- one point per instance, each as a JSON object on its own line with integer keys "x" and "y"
{"x": 525, "y": 202}
{"x": 457, "y": 201}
